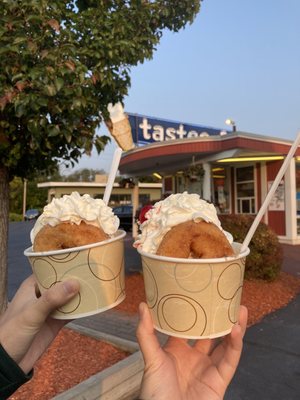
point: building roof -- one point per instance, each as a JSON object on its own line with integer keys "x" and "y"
{"x": 93, "y": 184}
{"x": 169, "y": 156}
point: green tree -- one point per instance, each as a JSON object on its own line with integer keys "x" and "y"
{"x": 35, "y": 197}
{"x": 16, "y": 195}
{"x": 62, "y": 62}
{"x": 84, "y": 175}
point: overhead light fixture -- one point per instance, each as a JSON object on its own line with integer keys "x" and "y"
{"x": 298, "y": 158}
{"x": 218, "y": 169}
{"x": 232, "y": 123}
{"x": 219, "y": 176}
{"x": 244, "y": 159}
{"x": 157, "y": 175}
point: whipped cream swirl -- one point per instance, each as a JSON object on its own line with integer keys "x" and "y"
{"x": 173, "y": 210}
{"x": 75, "y": 209}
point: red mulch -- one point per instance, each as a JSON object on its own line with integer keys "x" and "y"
{"x": 73, "y": 357}
{"x": 70, "y": 359}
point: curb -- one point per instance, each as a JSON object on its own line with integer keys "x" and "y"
{"x": 122, "y": 344}
{"x": 119, "y": 382}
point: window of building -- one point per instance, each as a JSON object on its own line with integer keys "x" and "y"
{"x": 180, "y": 183}
{"x": 168, "y": 184}
{"x": 117, "y": 199}
{"x": 245, "y": 190}
{"x": 221, "y": 188}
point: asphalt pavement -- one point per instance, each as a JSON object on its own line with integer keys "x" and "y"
{"x": 270, "y": 364}
{"x": 18, "y": 265}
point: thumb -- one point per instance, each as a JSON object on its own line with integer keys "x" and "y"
{"x": 146, "y": 337}
{"x": 21, "y": 329}
{"x": 58, "y": 295}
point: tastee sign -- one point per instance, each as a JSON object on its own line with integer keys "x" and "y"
{"x": 148, "y": 130}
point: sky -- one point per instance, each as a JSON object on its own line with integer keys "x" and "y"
{"x": 238, "y": 60}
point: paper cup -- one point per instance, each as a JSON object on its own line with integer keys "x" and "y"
{"x": 99, "y": 268}
{"x": 194, "y": 298}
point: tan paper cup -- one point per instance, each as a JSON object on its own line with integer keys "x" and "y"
{"x": 99, "y": 268}
{"x": 194, "y": 298}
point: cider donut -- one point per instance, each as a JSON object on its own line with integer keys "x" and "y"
{"x": 66, "y": 235}
{"x": 196, "y": 240}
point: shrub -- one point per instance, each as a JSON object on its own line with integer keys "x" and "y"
{"x": 13, "y": 217}
{"x": 266, "y": 255}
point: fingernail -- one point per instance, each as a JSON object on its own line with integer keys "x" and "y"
{"x": 71, "y": 286}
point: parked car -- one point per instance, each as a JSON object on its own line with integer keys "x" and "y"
{"x": 33, "y": 213}
{"x": 124, "y": 213}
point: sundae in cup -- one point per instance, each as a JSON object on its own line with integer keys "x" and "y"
{"x": 193, "y": 271}
{"x": 78, "y": 237}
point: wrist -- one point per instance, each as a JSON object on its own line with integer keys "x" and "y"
{"x": 11, "y": 375}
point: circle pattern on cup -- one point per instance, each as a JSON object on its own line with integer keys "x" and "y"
{"x": 192, "y": 314}
{"x": 51, "y": 269}
{"x": 229, "y": 281}
{"x": 100, "y": 269}
{"x": 65, "y": 257}
{"x": 234, "y": 305}
{"x": 202, "y": 306}
{"x": 49, "y": 272}
{"x": 121, "y": 283}
{"x": 152, "y": 290}
{"x": 193, "y": 278}
{"x": 71, "y": 306}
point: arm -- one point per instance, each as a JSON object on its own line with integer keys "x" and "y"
{"x": 26, "y": 330}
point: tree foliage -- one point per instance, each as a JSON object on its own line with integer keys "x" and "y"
{"x": 62, "y": 62}
{"x": 84, "y": 175}
{"x": 35, "y": 197}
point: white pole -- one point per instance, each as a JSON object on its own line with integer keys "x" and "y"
{"x": 112, "y": 174}
{"x": 24, "y": 197}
